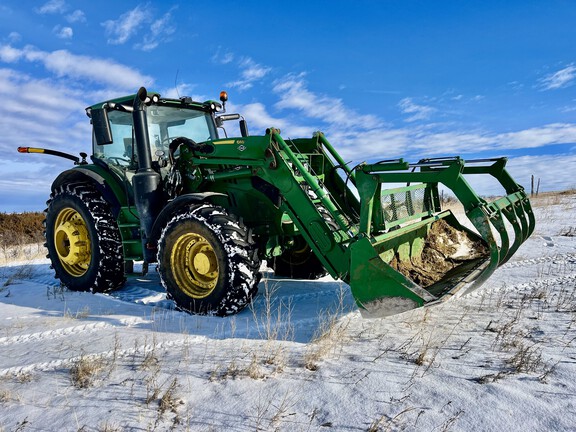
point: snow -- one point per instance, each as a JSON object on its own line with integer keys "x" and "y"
{"x": 300, "y": 358}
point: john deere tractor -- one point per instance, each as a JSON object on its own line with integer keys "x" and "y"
{"x": 166, "y": 185}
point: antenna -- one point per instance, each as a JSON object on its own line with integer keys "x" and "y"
{"x": 176, "y": 83}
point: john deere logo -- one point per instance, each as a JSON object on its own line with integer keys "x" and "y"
{"x": 241, "y": 147}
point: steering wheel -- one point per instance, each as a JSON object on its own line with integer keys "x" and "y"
{"x": 118, "y": 159}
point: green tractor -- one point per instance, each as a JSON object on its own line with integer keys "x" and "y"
{"x": 166, "y": 185}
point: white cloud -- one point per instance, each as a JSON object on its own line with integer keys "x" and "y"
{"x": 222, "y": 58}
{"x": 424, "y": 142}
{"x": 63, "y": 32}
{"x": 251, "y": 73}
{"x": 560, "y": 79}
{"x": 9, "y": 54}
{"x": 416, "y": 111}
{"x": 159, "y": 31}
{"x": 79, "y": 67}
{"x": 126, "y": 26}
{"x": 41, "y": 113}
{"x": 568, "y": 108}
{"x": 129, "y": 24}
{"x": 555, "y": 133}
{"x": 370, "y": 145}
{"x": 52, "y": 7}
{"x": 14, "y": 37}
{"x": 182, "y": 89}
{"x": 294, "y": 94}
{"x": 259, "y": 120}
{"x": 76, "y": 16}
{"x": 63, "y": 63}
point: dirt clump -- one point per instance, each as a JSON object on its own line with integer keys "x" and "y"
{"x": 445, "y": 248}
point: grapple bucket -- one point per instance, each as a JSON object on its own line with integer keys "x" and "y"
{"x": 410, "y": 253}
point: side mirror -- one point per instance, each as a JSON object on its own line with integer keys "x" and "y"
{"x": 101, "y": 125}
{"x": 243, "y": 128}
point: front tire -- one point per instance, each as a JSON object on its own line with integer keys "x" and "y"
{"x": 208, "y": 262}
{"x": 83, "y": 240}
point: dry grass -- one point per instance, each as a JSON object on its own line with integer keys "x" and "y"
{"x": 568, "y": 232}
{"x": 330, "y": 336}
{"x": 6, "y": 396}
{"x": 21, "y": 235}
{"x": 169, "y": 402}
{"x": 13, "y": 275}
{"x": 273, "y": 320}
{"x": 85, "y": 371}
{"x": 17, "y": 229}
{"x": 109, "y": 427}
{"x": 544, "y": 199}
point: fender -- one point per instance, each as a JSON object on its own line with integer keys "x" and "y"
{"x": 175, "y": 206}
{"x": 112, "y": 190}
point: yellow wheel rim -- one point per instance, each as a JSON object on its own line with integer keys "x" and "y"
{"x": 195, "y": 265}
{"x": 72, "y": 242}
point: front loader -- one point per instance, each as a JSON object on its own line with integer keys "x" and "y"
{"x": 166, "y": 185}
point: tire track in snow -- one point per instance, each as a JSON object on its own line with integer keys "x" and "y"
{"x": 292, "y": 298}
{"x": 525, "y": 286}
{"x": 567, "y": 257}
{"x": 54, "y": 334}
{"x": 66, "y": 331}
{"x": 105, "y": 355}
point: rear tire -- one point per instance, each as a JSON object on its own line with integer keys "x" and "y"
{"x": 208, "y": 262}
{"x": 298, "y": 262}
{"x": 83, "y": 239}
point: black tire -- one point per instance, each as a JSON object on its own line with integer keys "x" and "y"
{"x": 298, "y": 262}
{"x": 83, "y": 239}
{"x": 208, "y": 262}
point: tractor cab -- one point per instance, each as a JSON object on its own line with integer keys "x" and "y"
{"x": 114, "y": 137}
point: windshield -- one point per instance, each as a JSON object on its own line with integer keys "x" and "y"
{"x": 164, "y": 124}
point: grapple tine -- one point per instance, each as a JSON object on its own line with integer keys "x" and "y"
{"x": 531, "y": 219}
{"x": 519, "y": 213}
{"x": 498, "y": 222}
{"x": 481, "y": 221}
{"x": 518, "y": 236}
{"x": 519, "y": 210}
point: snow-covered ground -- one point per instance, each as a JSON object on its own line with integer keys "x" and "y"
{"x": 301, "y": 357}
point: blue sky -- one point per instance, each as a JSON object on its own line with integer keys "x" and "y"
{"x": 382, "y": 79}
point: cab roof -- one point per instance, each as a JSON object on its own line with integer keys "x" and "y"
{"x": 185, "y": 101}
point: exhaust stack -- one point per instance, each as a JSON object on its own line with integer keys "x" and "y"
{"x": 146, "y": 181}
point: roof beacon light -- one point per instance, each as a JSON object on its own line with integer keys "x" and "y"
{"x": 223, "y": 99}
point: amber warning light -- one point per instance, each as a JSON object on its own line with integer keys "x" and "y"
{"x": 30, "y": 150}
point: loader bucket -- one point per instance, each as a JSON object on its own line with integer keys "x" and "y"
{"x": 411, "y": 253}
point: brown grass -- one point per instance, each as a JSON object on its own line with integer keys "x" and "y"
{"x": 544, "y": 199}
{"x": 21, "y": 228}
